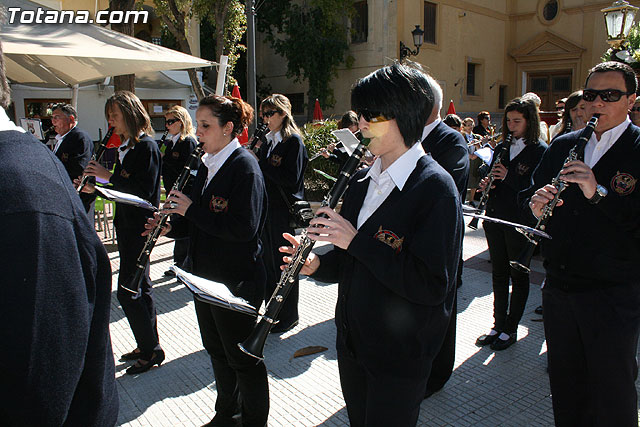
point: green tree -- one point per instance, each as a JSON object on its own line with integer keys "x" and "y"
{"x": 312, "y": 36}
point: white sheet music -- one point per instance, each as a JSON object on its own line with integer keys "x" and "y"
{"x": 120, "y": 197}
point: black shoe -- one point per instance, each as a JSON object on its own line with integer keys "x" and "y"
{"x": 227, "y": 421}
{"x": 538, "y": 310}
{"x": 142, "y": 365}
{"x": 503, "y": 344}
{"x": 169, "y": 273}
{"x": 281, "y": 327}
{"x": 486, "y": 339}
{"x": 132, "y": 355}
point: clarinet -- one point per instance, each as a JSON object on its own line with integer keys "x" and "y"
{"x": 161, "y": 145}
{"x": 254, "y": 344}
{"x": 482, "y": 206}
{"x": 96, "y": 156}
{"x": 576, "y": 153}
{"x": 133, "y": 284}
{"x": 258, "y": 135}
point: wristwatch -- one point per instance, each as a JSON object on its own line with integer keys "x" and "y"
{"x": 600, "y": 194}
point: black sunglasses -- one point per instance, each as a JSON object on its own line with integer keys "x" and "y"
{"x": 607, "y": 95}
{"x": 372, "y": 117}
{"x": 171, "y": 121}
{"x": 269, "y": 113}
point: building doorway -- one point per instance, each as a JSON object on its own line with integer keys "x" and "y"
{"x": 550, "y": 86}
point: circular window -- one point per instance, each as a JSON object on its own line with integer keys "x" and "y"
{"x": 550, "y": 10}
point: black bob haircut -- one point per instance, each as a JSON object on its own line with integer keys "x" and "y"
{"x": 396, "y": 92}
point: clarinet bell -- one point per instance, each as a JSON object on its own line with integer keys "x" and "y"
{"x": 254, "y": 344}
{"x": 524, "y": 260}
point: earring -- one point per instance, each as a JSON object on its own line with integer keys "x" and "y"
{"x": 224, "y": 134}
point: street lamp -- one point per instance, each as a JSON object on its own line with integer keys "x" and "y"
{"x": 618, "y": 19}
{"x": 418, "y": 38}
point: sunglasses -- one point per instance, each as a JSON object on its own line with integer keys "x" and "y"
{"x": 607, "y": 95}
{"x": 372, "y": 117}
{"x": 269, "y": 113}
{"x": 171, "y": 121}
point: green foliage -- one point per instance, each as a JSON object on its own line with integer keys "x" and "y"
{"x": 312, "y": 36}
{"x": 316, "y": 137}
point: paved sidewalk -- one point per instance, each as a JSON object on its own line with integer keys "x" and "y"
{"x": 487, "y": 388}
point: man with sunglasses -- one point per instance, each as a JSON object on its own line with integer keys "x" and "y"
{"x": 592, "y": 294}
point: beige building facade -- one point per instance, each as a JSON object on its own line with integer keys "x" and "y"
{"x": 484, "y": 53}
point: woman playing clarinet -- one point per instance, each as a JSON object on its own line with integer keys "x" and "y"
{"x": 179, "y": 145}
{"x": 223, "y": 217}
{"x": 282, "y": 161}
{"x": 511, "y": 175}
{"x": 137, "y": 172}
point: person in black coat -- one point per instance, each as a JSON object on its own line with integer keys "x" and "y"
{"x": 57, "y": 364}
{"x": 447, "y": 147}
{"x": 224, "y": 217}
{"x": 511, "y": 175}
{"x": 137, "y": 172}
{"x": 175, "y": 153}
{"x": 282, "y": 160}
{"x": 336, "y": 152}
{"x": 74, "y": 147}
{"x": 396, "y": 249}
{"x": 591, "y": 297}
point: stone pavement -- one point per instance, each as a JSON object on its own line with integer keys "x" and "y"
{"x": 487, "y": 388}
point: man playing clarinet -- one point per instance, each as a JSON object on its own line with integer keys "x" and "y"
{"x": 592, "y": 294}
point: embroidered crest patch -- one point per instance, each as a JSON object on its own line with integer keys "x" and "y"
{"x": 124, "y": 174}
{"x": 390, "y": 238}
{"x": 522, "y": 169}
{"x": 623, "y": 183}
{"x": 275, "y": 160}
{"x": 218, "y": 204}
{"x": 64, "y": 157}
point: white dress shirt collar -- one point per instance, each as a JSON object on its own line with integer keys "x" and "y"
{"x": 428, "y": 128}
{"x": 60, "y": 138}
{"x": 595, "y": 149}
{"x": 7, "y": 124}
{"x": 516, "y": 148}
{"x": 214, "y": 162}
{"x": 274, "y": 139}
{"x": 382, "y": 183}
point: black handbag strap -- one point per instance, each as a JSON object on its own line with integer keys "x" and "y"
{"x": 284, "y": 197}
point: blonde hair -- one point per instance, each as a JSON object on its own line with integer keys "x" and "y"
{"x": 282, "y": 105}
{"x": 135, "y": 116}
{"x": 182, "y": 114}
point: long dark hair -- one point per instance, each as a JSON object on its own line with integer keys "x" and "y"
{"x": 572, "y": 101}
{"x": 530, "y": 113}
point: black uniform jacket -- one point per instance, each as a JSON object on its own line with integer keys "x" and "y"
{"x": 285, "y": 168}
{"x": 397, "y": 277}
{"x": 448, "y": 147}
{"x": 503, "y": 199}
{"x": 593, "y": 245}
{"x": 57, "y": 365}
{"x": 139, "y": 174}
{"x": 75, "y": 152}
{"x": 225, "y": 222}
{"x": 174, "y": 160}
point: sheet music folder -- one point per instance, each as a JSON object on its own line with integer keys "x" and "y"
{"x": 215, "y": 293}
{"x": 120, "y": 197}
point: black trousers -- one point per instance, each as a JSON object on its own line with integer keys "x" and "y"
{"x": 379, "y": 398}
{"x": 277, "y": 222}
{"x": 241, "y": 380}
{"x": 180, "y": 251}
{"x": 506, "y": 244}
{"x": 592, "y": 340}
{"x": 141, "y": 312}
